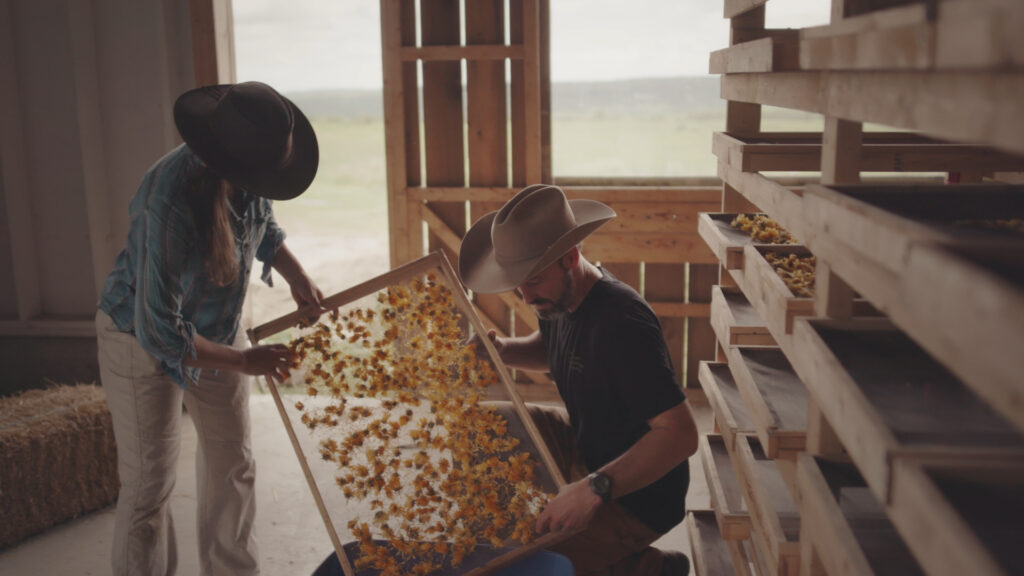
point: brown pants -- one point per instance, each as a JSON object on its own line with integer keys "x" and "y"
{"x": 615, "y": 543}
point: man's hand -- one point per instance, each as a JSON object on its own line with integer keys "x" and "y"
{"x": 269, "y": 360}
{"x": 572, "y": 509}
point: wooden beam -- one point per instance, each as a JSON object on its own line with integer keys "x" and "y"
{"x": 977, "y": 107}
{"x": 734, "y": 8}
{"x": 394, "y": 130}
{"x": 896, "y": 38}
{"x": 475, "y": 52}
{"x": 771, "y": 54}
{"x": 213, "y": 41}
{"x": 532, "y": 91}
{"x": 983, "y": 35}
{"x": 680, "y": 194}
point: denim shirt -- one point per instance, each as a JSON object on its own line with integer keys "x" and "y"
{"x": 159, "y": 290}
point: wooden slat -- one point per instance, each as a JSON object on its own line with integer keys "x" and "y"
{"x": 661, "y": 217}
{"x": 734, "y": 8}
{"x": 410, "y": 97}
{"x": 885, "y": 398}
{"x": 731, "y": 417}
{"x": 442, "y": 114}
{"x": 772, "y": 54}
{"x": 648, "y": 247}
{"x": 698, "y": 195}
{"x": 896, "y": 38}
{"x": 400, "y": 144}
{"x": 456, "y": 52}
{"x": 974, "y": 107}
{"x": 667, "y": 283}
{"x": 517, "y": 97}
{"x": 724, "y": 488}
{"x": 735, "y": 321}
{"x": 775, "y": 398}
{"x": 880, "y": 152}
{"x": 961, "y": 518}
{"x": 775, "y": 520}
{"x": 628, "y": 272}
{"x": 701, "y": 342}
{"x": 712, "y": 555}
{"x": 532, "y": 132}
{"x": 844, "y": 526}
{"x": 979, "y": 34}
{"x": 681, "y": 309}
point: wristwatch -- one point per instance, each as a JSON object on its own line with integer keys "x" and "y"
{"x": 601, "y": 484}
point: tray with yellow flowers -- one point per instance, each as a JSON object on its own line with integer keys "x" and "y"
{"x": 411, "y": 435}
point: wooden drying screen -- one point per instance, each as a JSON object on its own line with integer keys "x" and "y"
{"x": 392, "y": 392}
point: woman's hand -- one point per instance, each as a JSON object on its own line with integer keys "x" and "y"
{"x": 271, "y": 360}
{"x": 305, "y": 293}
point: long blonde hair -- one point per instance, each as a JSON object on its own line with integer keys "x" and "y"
{"x": 209, "y": 195}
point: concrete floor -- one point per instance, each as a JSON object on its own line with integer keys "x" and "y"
{"x": 291, "y": 535}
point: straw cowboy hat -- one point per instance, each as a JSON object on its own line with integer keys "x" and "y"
{"x": 533, "y": 229}
{"x": 250, "y": 135}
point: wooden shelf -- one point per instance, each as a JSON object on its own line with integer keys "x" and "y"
{"x": 726, "y": 496}
{"x": 961, "y": 518}
{"x": 987, "y": 109}
{"x": 773, "y": 513}
{"x": 727, "y": 404}
{"x": 711, "y": 554}
{"x": 772, "y": 299}
{"x": 900, "y": 248}
{"x": 735, "y": 321}
{"x": 844, "y": 525}
{"x": 724, "y": 240}
{"x": 775, "y": 397}
{"x": 886, "y": 398}
{"x": 880, "y": 152}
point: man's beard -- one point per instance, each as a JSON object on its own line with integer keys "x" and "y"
{"x": 560, "y": 305}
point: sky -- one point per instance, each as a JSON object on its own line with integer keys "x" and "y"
{"x": 329, "y": 44}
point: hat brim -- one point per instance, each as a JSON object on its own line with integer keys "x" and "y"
{"x": 191, "y": 111}
{"x": 480, "y": 270}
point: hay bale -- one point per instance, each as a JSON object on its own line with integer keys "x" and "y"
{"x": 57, "y": 458}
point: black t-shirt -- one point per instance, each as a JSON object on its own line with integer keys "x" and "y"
{"x": 614, "y": 373}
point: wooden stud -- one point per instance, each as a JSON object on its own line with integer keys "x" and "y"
{"x": 532, "y": 132}
{"x": 667, "y": 283}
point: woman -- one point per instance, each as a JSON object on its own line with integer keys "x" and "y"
{"x": 168, "y": 320}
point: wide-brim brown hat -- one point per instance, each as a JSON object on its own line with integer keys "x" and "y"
{"x": 532, "y": 230}
{"x": 252, "y": 136}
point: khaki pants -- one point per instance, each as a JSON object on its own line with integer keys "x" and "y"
{"x": 615, "y": 543}
{"x": 146, "y": 409}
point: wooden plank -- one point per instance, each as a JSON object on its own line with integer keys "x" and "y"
{"x": 711, "y": 554}
{"x": 895, "y": 38}
{"x": 700, "y": 196}
{"x": 979, "y": 34}
{"x": 532, "y": 129}
{"x": 844, "y": 525}
{"x": 410, "y": 97}
{"x": 701, "y": 342}
{"x": 457, "y": 52}
{"x": 885, "y": 397}
{"x": 667, "y": 283}
{"x": 841, "y": 151}
{"x": 731, "y": 417}
{"x": 980, "y": 294}
{"x": 663, "y": 217}
{"x": 395, "y": 133}
{"x": 681, "y": 309}
{"x": 771, "y": 54}
{"x": 973, "y": 107}
{"x": 961, "y": 518}
{"x": 880, "y": 152}
{"x": 775, "y": 397}
{"x": 648, "y": 247}
{"x": 442, "y": 114}
{"x": 775, "y": 519}
{"x": 628, "y": 272}
{"x": 735, "y": 321}
{"x": 734, "y": 8}
{"x": 783, "y": 204}
{"x": 486, "y": 123}
{"x": 724, "y": 488}
{"x": 772, "y": 299}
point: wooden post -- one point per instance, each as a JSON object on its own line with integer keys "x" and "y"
{"x": 213, "y": 41}
{"x": 840, "y": 164}
{"x": 532, "y": 90}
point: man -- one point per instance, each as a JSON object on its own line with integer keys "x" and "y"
{"x": 627, "y": 417}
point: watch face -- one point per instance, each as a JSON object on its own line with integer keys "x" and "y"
{"x": 601, "y": 484}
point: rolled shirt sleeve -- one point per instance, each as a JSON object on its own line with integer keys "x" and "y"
{"x": 273, "y": 238}
{"x": 159, "y": 288}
